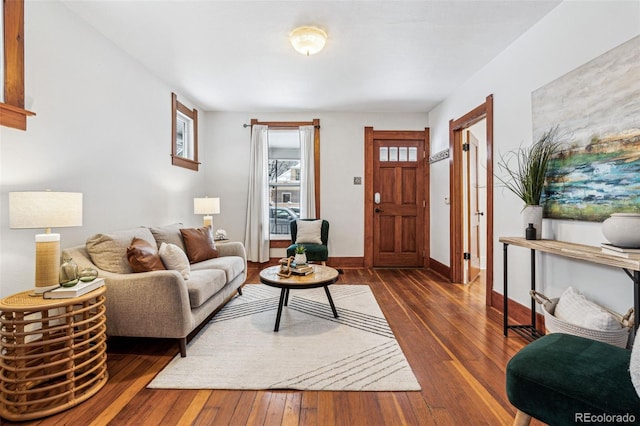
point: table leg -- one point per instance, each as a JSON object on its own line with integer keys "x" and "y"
{"x": 333, "y": 307}
{"x": 286, "y": 297}
{"x": 282, "y": 295}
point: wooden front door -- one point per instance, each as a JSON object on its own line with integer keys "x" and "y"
{"x": 398, "y": 199}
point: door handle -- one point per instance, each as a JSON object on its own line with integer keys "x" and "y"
{"x": 378, "y": 210}
{"x": 480, "y": 213}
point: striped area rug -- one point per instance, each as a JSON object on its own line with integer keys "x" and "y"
{"x": 238, "y": 348}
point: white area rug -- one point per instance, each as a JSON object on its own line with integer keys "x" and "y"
{"x": 313, "y": 350}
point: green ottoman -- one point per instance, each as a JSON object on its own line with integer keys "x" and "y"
{"x": 562, "y": 379}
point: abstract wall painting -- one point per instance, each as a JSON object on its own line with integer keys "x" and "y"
{"x": 596, "y": 108}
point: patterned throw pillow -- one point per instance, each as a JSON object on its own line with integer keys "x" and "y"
{"x": 175, "y": 259}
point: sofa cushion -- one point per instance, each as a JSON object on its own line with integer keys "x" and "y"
{"x": 169, "y": 234}
{"x": 175, "y": 259}
{"x": 204, "y": 284}
{"x": 199, "y": 244}
{"x": 109, "y": 251}
{"x": 231, "y": 265}
{"x": 143, "y": 256}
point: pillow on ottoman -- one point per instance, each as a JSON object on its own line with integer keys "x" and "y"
{"x": 143, "y": 256}
{"x": 199, "y": 244}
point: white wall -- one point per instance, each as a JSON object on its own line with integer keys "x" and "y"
{"x": 103, "y": 128}
{"x": 341, "y": 159}
{"x": 571, "y": 35}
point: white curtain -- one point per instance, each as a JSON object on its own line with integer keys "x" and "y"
{"x": 256, "y": 236}
{"x": 307, "y": 173}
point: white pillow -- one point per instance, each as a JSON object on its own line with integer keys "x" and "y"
{"x": 634, "y": 365}
{"x": 175, "y": 259}
{"x": 576, "y": 309}
{"x": 309, "y": 231}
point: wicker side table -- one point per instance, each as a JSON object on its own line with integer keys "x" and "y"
{"x": 52, "y": 353}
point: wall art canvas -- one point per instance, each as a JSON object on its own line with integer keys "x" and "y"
{"x": 596, "y": 108}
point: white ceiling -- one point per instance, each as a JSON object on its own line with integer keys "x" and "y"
{"x": 384, "y": 56}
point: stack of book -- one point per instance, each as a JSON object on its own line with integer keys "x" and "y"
{"x": 75, "y": 291}
{"x": 620, "y": 251}
{"x": 302, "y": 269}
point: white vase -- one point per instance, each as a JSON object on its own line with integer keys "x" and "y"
{"x": 622, "y": 229}
{"x": 532, "y": 214}
{"x": 300, "y": 258}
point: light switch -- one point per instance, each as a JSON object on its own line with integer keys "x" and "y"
{"x": 357, "y": 180}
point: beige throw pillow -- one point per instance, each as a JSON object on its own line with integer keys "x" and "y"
{"x": 576, "y": 309}
{"x": 175, "y": 259}
{"x": 309, "y": 231}
{"x": 109, "y": 251}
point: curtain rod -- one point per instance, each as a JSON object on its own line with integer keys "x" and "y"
{"x": 245, "y": 125}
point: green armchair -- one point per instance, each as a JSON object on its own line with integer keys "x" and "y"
{"x": 315, "y": 252}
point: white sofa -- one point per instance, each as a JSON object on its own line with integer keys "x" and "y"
{"x": 161, "y": 303}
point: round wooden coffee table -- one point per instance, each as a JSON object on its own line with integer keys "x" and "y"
{"x": 322, "y": 276}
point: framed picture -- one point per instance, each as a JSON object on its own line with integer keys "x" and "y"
{"x": 596, "y": 108}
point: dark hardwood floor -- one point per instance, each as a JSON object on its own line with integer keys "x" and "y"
{"x": 453, "y": 342}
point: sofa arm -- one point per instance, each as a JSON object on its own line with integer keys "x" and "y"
{"x": 148, "y": 304}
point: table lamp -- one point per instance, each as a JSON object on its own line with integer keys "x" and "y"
{"x": 208, "y": 207}
{"x": 46, "y": 209}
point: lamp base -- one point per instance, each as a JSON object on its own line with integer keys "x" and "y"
{"x": 47, "y": 262}
{"x": 208, "y": 222}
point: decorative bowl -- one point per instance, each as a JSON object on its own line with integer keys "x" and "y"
{"x": 622, "y": 229}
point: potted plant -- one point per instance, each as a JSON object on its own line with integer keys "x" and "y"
{"x": 526, "y": 170}
{"x": 301, "y": 255}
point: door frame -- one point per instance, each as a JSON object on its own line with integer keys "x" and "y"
{"x": 369, "y": 136}
{"x": 456, "y": 127}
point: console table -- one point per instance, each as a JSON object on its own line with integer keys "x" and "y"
{"x": 631, "y": 267}
{"x": 52, "y": 353}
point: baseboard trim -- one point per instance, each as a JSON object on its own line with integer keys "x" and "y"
{"x": 440, "y": 268}
{"x": 518, "y": 314}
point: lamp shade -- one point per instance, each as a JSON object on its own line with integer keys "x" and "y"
{"x": 206, "y": 205}
{"x": 308, "y": 40}
{"x": 45, "y": 209}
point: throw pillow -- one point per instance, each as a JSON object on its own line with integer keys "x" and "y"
{"x": 634, "y": 365}
{"x": 576, "y": 309}
{"x": 169, "y": 234}
{"x": 175, "y": 259}
{"x": 308, "y": 231}
{"x": 143, "y": 257}
{"x": 109, "y": 251}
{"x": 199, "y": 244}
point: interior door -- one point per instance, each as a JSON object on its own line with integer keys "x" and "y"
{"x": 473, "y": 210}
{"x": 399, "y": 201}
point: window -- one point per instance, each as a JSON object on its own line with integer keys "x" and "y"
{"x": 284, "y": 179}
{"x": 184, "y": 135}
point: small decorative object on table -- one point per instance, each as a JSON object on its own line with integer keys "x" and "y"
{"x": 68, "y": 273}
{"x": 88, "y": 274}
{"x": 285, "y": 268}
{"x": 301, "y": 255}
{"x": 220, "y": 234}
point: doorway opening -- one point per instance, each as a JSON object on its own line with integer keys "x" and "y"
{"x": 468, "y": 217}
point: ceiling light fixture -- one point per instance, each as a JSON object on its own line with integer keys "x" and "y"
{"x": 308, "y": 40}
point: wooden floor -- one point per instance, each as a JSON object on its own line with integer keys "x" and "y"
{"x": 453, "y": 342}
